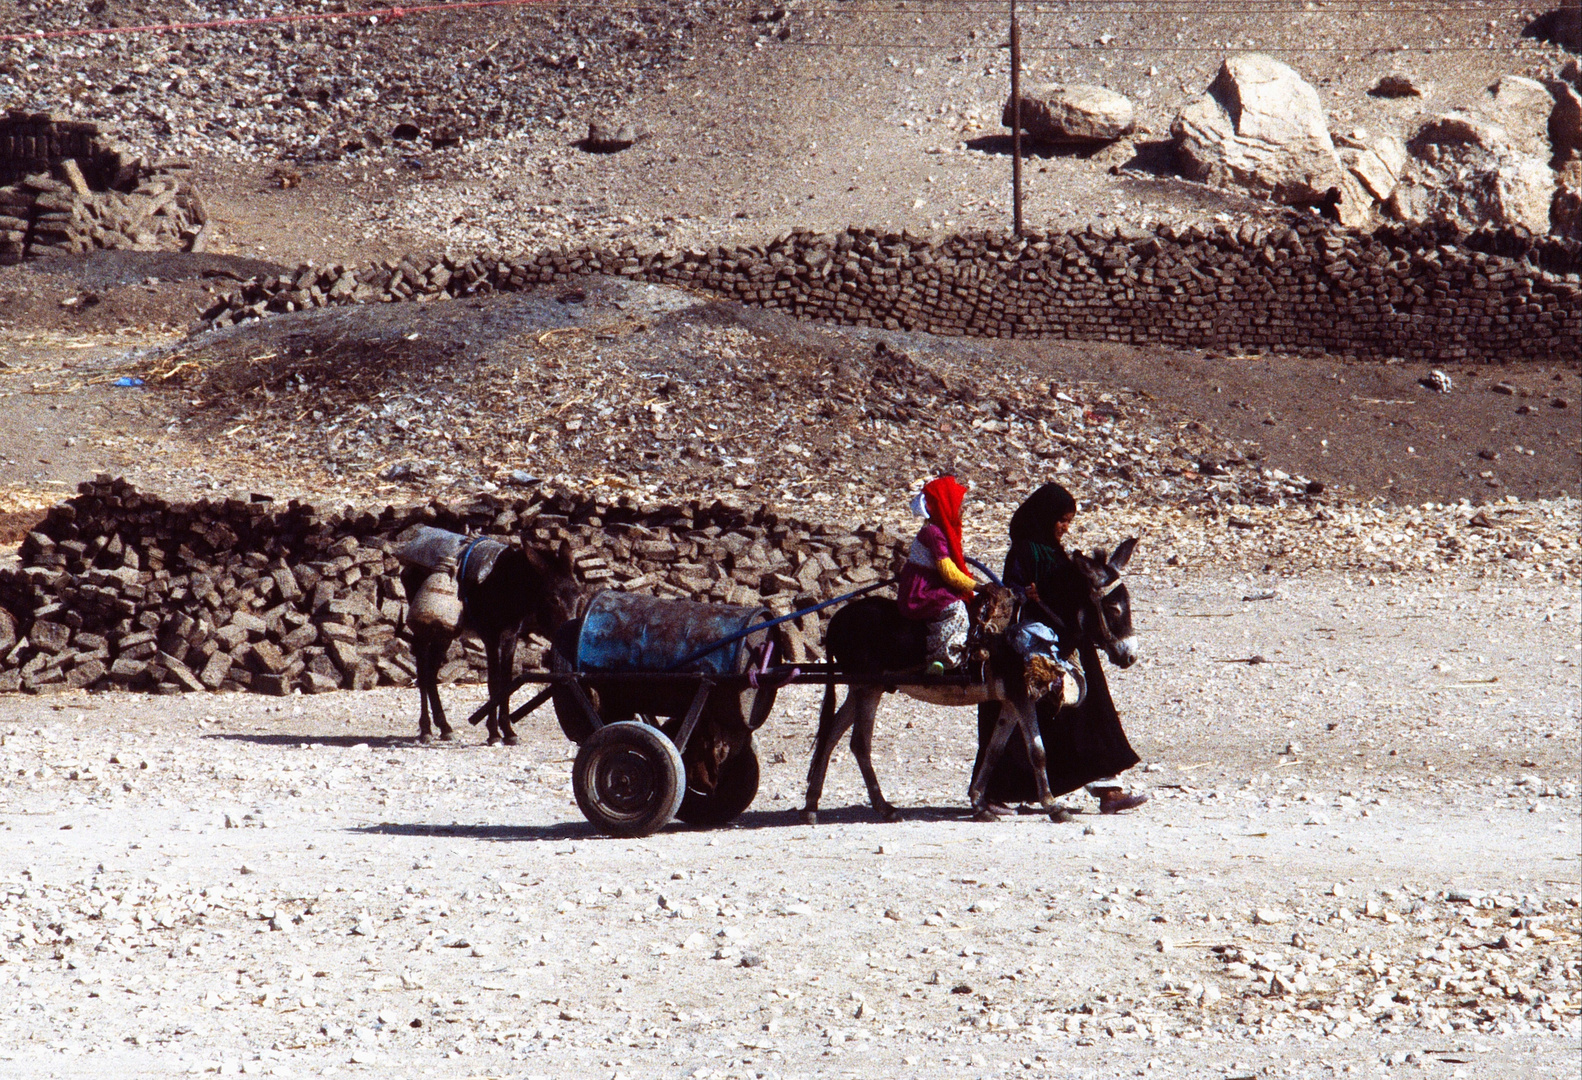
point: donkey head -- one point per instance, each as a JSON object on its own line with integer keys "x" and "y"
{"x": 1106, "y": 619}
{"x": 995, "y": 608}
{"x": 558, "y": 597}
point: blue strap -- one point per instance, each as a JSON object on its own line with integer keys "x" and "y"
{"x": 995, "y": 578}
{"x": 461, "y": 567}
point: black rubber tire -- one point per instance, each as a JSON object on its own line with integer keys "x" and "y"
{"x": 628, "y": 779}
{"x": 734, "y": 793}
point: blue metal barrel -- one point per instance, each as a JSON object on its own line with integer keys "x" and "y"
{"x": 628, "y": 632}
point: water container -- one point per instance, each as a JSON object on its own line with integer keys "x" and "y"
{"x": 629, "y": 632}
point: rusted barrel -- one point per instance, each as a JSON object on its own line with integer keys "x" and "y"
{"x": 624, "y": 632}
{"x": 628, "y": 632}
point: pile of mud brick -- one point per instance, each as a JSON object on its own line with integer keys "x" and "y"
{"x": 121, "y": 589}
{"x": 1409, "y": 292}
{"x": 65, "y": 189}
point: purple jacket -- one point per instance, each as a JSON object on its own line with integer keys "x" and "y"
{"x": 920, "y": 592}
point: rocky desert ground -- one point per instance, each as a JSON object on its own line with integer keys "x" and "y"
{"x": 1360, "y": 703}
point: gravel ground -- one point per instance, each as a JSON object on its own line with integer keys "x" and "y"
{"x": 1361, "y": 859}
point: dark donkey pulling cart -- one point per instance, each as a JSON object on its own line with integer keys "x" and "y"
{"x": 662, "y": 698}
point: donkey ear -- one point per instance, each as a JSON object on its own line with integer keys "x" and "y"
{"x": 1123, "y": 554}
{"x": 567, "y": 565}
{"x": 1100, "y": 556}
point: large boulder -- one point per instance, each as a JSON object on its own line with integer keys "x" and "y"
{"x": 1372, "y": 169}
{"x": 1377, "y": 164}
{"x": 1523, "y": 106}
{"x": 1074, "y": 113}
{"x": 1565, "y": 120}
{"x": 1457, "y": 133}
{"x": 1260, "y": 129}
{"x": 1468, "y": 173}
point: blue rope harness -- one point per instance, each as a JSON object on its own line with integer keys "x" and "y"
{"x": 461, "y": 568}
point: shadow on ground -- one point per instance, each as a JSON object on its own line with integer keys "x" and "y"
{"x": 373, "y": 742}
{"x": 582, "y": 830}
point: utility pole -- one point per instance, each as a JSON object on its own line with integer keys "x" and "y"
{"x": 1016, "y": 121}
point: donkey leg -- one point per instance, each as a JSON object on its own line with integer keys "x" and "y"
{"x": 500, "y": 674}
{"x": 436, "y": 659}
{"x": 425, "y": 730}
{"x": 832, "y": 724}
{"x": 862, "y": 750}
{"x": 991, "y": 757}
{"x": 427, "y": 694}
{"x": 491, "y": 718}
{"x": 1027, "y": 720}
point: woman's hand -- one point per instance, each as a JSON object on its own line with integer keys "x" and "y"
{"x": 1032, "y": 593}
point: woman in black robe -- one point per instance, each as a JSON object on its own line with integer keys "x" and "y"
{"x": 1084, "y": 745}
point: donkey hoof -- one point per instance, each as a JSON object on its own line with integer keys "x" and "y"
{"x": 445, "y": 736}
{"x": 887, "y": 812}
{"x": 509, "y": 740}
{"x": 425, "y": 738}
{"x": 1060, "y": 815}
{"x": 810, "y": 817}
{"x": 494, "y": 740}
{"x": 985, "y": 814}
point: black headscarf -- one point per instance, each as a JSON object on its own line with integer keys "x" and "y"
{"x": 1034, "y": 521}
{"x": 1036, "y": 557}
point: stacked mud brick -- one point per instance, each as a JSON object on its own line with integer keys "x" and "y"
{"x": 66, "y": 189}
{"x": 1301, "y": 287}
{"x": 119, "y": 589}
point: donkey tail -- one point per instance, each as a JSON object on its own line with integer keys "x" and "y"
{"x": 826, "y": 712}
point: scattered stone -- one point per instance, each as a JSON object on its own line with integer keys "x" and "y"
{"x": 1074, "y": 113}
{"x": 1398, "y": 85}
{"x": 607, "y": 138}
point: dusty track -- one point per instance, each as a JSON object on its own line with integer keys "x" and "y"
{"x": 446, "y": 912}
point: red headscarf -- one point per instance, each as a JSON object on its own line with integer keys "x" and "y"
{"x": 943, "y": 497}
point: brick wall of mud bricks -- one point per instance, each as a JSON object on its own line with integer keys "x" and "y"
{"x": 1303, "y": 287}
{"x": 33, "y": 143}
{"x": 120, "y": 589}
{"x": 66, "y": 189}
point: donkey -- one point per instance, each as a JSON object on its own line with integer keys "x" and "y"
{"x": 504, "y": 591}
{"x": 870, "y": 640}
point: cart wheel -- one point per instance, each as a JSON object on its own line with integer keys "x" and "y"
{"x": 563, "y": 652}
{"x": 734, "y": 793}
{"x": 628, "y": 779}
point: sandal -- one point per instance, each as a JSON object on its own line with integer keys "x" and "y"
{"x": 1113, "y": 801}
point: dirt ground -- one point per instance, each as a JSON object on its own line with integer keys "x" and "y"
{"x": 1360, "y": 859}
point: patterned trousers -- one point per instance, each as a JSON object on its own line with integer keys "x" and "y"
{"x": 947, "y": 635}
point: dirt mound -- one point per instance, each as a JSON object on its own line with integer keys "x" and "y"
{"x": 643, "y": 388}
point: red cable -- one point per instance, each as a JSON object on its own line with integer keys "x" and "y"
{"x": 165, "y": 28}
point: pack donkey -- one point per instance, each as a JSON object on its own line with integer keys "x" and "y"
{"x": 871, "y": 640}
{"x": 459, "y": 585}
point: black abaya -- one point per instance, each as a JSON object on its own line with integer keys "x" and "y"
{"x": 1081, "y": 744}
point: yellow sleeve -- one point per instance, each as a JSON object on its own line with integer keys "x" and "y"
{"x": 953, "y": 578}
